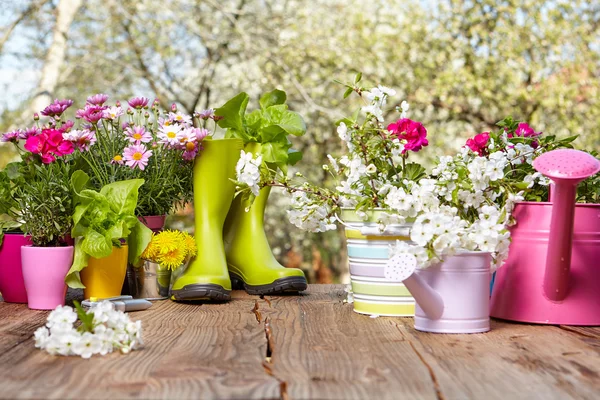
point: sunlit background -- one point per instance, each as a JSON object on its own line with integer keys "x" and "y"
{"x": 462, "y": 66}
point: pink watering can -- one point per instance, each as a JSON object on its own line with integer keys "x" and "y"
{"x": 552, "y": 274}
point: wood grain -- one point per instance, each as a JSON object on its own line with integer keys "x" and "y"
{"x": 318, "y": 348}
{"x": 192, "y": 351}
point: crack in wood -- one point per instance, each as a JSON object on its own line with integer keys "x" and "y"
{"x": 268, "y": 364}
{"x": 256, "y": 312}
{"x": 436, "y": 386}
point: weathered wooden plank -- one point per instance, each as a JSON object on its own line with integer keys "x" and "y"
{"x": 323, "y": 350}
{"x": 513, "y": 361}
{"x": 192, "y": 351}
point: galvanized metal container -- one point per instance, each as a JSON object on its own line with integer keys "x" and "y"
{"x": 149, "y": 281}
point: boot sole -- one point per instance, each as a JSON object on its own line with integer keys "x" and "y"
{"x": 282, "y": 285}
{"x": 201, "y": 292}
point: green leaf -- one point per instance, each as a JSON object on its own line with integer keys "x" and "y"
{"x": 358, "y": 77}
{"x": 79, "y": 180}
{"x": 413, "y": 171}
{"x": 292, "y": 123}
{"x": 138, "y": 240}
{"x": 123, "y": 195}
{"x": 87, "y": 319}
{"x": 253, "y": 120}
{"x": 272, "y": 98}
{"x": 13, "y": 170}
{"x": 80, "y": 261}
{"x": 348, "y": 92}
{"x": 233, "y": 112}
{"x": 96, "y": 245}
{"x": 275, "y": 152}
{"x": 294, "y": 156}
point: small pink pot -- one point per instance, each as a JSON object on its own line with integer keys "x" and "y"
{"x": 44, "y": 271}
{"x": 155, "y": 222}
{"x": 12, "y": 286}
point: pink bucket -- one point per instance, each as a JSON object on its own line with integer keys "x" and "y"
{"x": 518, "y": 293}
{"x": 12, "y": 286}
{"x": 44, "y": 271}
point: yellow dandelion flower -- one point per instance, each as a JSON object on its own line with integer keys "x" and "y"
{"x": 166, "y": 241}
{"x": 189, "y": 244}
{"x": 172, "y": 259}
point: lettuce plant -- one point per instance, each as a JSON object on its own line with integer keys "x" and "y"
{"x": 105, "y": 219}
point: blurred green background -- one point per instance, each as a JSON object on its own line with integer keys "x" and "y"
{"x": 462, "y": 66}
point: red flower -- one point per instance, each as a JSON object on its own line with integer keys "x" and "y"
{"x": 478, "y": 144}
{"x": 413, "y": 132}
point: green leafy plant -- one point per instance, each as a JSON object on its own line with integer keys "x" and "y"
{"x": 102, "y": 220}
{"x": 269, "y": 125}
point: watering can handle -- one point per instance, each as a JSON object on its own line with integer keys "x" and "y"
{"x": 558, "y": 258}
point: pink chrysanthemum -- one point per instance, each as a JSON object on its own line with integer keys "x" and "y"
{"x": 138, "y": 102}
{"x": 136, "y": 155}
{"x": 91, "y": 113}
{"x": 27, "y": 133}
{"x": 113, "y": 113}
{"x": 57, "y": 107}
{"x": 138, "y": 134}
{"x": 82, "y": 139}
{"x": 97, "y": 99}
{"x": 11, "y": 136}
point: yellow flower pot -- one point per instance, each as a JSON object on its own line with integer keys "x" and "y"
{"x": 104, "y": 277}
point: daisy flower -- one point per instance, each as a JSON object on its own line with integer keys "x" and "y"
{"x": 170, "y": 135}
{"x": 180, "y": 118}
{"x": 11, "y": 136}
{"x": 138, "y": 102}
{"x": 113, "y": 113}
{"x": 118, "y": 159}
{"x": 136, "y": 155}
{"x": 137, "y": 135}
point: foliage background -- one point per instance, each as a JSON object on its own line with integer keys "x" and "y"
{"x": 462, "y": 65}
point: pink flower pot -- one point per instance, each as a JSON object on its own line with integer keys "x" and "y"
{"x": 44, "y": 271}
{"x": 155, "y": 222}
{"x": 12, "y": 286}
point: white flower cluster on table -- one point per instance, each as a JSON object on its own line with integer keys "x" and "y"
{"x": 248, "y": 171}
{"x": 111, "y": 330}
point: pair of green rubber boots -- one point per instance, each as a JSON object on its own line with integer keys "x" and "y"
{"x": 233, "y": 251}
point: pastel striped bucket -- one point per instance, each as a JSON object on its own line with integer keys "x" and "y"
{"x": 368, "y": 253}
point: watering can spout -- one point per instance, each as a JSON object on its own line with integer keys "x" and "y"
{"x": 429, "y": 300}
{"x": 401, "y": 268}
{"x": 566, "y": 168}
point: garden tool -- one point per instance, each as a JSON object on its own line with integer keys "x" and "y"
{"x": 250, "y": 260}
{"x": 452, "y": 296}
{"x": 206, "y": 277}
{"x": 551, "y": 275}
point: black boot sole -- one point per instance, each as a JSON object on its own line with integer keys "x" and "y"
{"x": 201, "y": 291}
{"x": 282, "y": 285}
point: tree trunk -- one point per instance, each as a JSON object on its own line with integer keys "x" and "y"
{"x": 55, "y": 57}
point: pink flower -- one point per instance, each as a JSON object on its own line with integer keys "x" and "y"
{"x": 66, "y": 127}
{"x": 113, "y": 113}
{"x": 118, "y": 160}
{"x": 97, "y": 99}
{"x": 33, "y": 131}
{"x": 199, "y": 133}
{"x": 413, "y": 132}
{"x": 138, "y": 135}
{"x": 191, "y": 150}
{"x": 82, "y": 139}
{"x": 206, "y": 114}
{"x": 136, "y": 155}
{"x": 524, "y": 130}
{"x": 180, "y": 118}
{"x": 478, "y": 144}
{"x": 49, "y": 144}
{"x": 138, "y": 102}
{"x": 12, "y": 137}
{"x": 57, "y": 107}
{"x": 91, "y": 113}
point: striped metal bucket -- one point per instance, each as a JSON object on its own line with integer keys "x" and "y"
{"x": 368, "y": 253}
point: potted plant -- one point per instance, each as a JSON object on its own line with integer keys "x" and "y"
{"x": 141, "y": 141}
{"x": 107, "y": 235}
{"x": 43, "y": 194}
{"x": 167, "y": 255}
{"x": 12, "y": 286}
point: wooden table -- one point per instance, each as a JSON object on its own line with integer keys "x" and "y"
{"x": 311, "y": 346}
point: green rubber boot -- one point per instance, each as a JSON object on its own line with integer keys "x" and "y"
{"x": 250, "y": 260}
{"x": 206, "y": 278}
